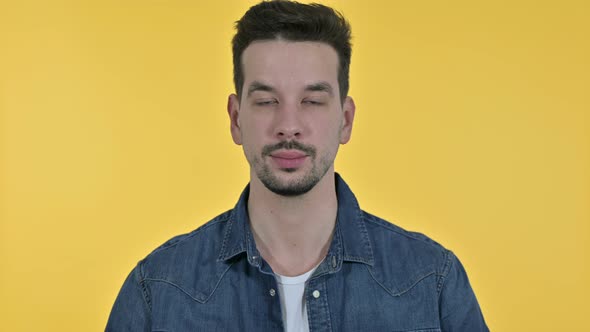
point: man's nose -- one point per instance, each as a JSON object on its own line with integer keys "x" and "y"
{"x": 288, "y": 123}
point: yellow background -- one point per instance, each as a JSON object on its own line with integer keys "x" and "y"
{"x": 473, "y": 126}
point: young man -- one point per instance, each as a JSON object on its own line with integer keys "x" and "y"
{"x": 296, "y": 253}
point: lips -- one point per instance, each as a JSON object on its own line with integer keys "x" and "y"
{"x": 293, "y": 154}
{"x": 288, "y": 159}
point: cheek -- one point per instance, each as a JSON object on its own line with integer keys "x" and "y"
{"x": 248, "y": 128}
{"x": 252, "y": 138}
{"x": 332, "y": 129}
{"x": 330, "y": 136}
{"x": 255, "y": 125}
{"x": 251, "y": 153}
{"x": 249, "y": 145}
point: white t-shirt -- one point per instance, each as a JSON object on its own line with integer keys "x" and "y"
{"x": 293, "y": 306}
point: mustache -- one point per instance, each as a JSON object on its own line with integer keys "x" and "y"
{"x": 289, "y": 145}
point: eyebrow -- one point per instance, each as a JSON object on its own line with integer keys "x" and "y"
{"x": 259, "y": 86}
{"x": 319, "y": 86}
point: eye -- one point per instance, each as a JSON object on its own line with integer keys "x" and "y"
{"x": 312, "y": 102}
{"x": 265, "y": 102}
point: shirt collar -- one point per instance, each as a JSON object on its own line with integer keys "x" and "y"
{"x": 350, "y": 241}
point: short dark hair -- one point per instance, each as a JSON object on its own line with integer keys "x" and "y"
{"x": 293, "y": 21}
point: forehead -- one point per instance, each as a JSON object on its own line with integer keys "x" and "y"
{"x": 287, "y": 64}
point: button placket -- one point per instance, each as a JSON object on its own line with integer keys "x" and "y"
{"x": 318, "y": 305}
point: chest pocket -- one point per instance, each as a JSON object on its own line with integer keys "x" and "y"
{"x": 366, "y": 303}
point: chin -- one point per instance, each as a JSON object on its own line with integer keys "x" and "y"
{"x": 289, "y": 182}
{"x": 290, "y": 190}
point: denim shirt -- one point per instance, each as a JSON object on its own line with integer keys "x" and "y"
{"x": 375, "y": 277}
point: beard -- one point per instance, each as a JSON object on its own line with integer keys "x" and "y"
{"x": 297, "y": 186}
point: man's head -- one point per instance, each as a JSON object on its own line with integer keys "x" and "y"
{"x": 293, "y": 21}
{"x": 291, "y": 111}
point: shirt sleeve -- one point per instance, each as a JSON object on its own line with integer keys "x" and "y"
{"x": 131, "y": 311}
{"x": 459, "y": 310}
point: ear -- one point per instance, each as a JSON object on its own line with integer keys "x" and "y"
{"x": 233, "y": 110}
{"x": 348, "y": 108}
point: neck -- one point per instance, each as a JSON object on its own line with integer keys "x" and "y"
{"x": 293, "y": 234}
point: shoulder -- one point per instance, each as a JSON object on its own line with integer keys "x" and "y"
{"x": 389, "y": 234}
{"x": 175, "y": 262}
{"x": 404, "y": 258}
{"x": 200, "y": 237}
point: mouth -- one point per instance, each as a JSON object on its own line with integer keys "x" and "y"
{"x": 288, "y": 159}
{"x": 288, "y": 154}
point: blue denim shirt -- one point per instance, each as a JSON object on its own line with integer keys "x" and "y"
{"x": 375, "y": 277}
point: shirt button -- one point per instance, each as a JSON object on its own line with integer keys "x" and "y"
{"x": 316, "y": 293}
{"x": 272, "y": 292}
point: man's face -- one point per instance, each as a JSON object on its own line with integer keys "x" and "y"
{"x": 290, "y": 119}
